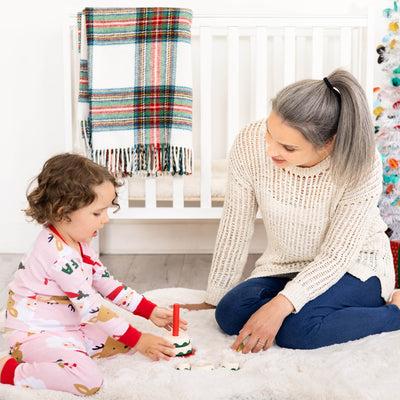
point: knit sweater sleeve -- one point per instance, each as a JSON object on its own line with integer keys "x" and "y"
{"x": 342, "y": 243}
{"x": 237, "y": 222}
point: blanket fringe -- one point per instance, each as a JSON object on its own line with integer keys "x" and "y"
{"x": 146, "y": 160}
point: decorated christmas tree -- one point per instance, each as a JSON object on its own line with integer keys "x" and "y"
{"x": 387, "y": 120}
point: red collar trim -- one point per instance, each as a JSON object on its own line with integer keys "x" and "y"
{"x": 54, "y": 230}
{"x": 85, "y": 258}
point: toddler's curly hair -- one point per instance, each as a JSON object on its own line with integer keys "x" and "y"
{"x": 66, "y": 184}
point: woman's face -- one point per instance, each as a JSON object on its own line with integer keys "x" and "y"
{"x": 288, "y": 147}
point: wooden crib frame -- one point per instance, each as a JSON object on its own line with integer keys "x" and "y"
{"x": 278, "y": 50}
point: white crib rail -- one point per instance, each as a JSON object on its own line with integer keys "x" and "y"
{"x": 261, "y": 55}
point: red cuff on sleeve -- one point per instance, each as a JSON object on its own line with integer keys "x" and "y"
{"x": 130, "y": 337}
{"x": 145, "y": 308}
{"x": 8, "y": 371}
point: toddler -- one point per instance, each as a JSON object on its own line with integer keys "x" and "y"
{"x": 56, "y": 324}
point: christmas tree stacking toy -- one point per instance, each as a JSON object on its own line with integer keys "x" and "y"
{"x": 386, "y": 109}
{"x": 180, "y": 340}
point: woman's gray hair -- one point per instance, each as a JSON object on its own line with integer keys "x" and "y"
{"x": 320, "y": 113}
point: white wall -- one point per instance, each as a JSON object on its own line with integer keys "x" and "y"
{"x": 32, "y": 108}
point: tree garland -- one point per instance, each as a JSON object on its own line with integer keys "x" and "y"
{"x": 387, "y": 121}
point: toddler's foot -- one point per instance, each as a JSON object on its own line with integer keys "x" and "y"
{"x": 8, "y": 366}
{"x": 395, "y": 298}
{"x": 3, "y": 361}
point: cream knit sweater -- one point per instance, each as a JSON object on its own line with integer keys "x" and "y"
{"x": 316, "y": 230}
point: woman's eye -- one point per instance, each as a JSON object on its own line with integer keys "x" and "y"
{"x": 288, "y": 149}
{"x": 96, "y": 214}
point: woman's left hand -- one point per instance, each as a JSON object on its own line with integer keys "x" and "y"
{"x": 263, "y": 325}
{"x": 163, "y": 318}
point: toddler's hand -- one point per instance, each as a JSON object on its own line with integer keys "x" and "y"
{"x": 163, "y": 318}
{"x": 154, "y": 347}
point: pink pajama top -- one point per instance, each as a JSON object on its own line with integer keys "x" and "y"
{"x": 55, "y": 289}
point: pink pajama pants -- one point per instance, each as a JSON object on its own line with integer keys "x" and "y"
{"x": 63, "y": 360}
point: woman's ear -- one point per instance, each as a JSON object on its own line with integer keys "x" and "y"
{"x": 329, "y": 146}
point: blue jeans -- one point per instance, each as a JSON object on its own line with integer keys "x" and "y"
{"x": 349, "y": 310}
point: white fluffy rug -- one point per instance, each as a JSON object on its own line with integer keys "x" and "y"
{"x": 364, "y": 369}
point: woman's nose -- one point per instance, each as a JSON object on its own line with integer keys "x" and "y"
{"x": 272, "y": 150}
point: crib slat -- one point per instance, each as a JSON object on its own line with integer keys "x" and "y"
{"x": 317, "y": 52}
{"x": 370, "y": 56}
{"x": 261, "y": 73}
{"x": 355, "y": 43}
{"x": 233, "y": 85}
{"x": 205, "y": 115}
{"x": 123, "y": 197}
{"x": 275, "y": 72}
{"x": 289, "y": 56}
{"x": 150, "y": 199}
{"x": 177, "y": 192}
{"x": 345, "y": 47}
{"x": 359, "y": 52}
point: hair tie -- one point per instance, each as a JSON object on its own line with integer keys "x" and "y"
{"x": 334, "y": 90}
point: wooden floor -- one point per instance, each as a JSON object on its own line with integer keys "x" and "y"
{"x": 142, "y": 272}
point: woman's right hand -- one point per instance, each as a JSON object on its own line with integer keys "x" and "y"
{"x": 155, "y": 347}
{"x": 198, "y": 306}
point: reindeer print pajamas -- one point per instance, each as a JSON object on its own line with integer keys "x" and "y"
{"x": 56, "y": 323}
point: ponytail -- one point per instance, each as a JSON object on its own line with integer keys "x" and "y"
{"x": 354, "y": 148}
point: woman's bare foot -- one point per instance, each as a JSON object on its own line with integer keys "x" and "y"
{"x": 3, "y": 361}
{"x": 395, "y": 298}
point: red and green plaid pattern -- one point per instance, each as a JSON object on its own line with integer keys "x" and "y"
{"x": 134, "y": 94}
{"x": 83, "y": 80}
{"x": 141, "y": 109}
{"x": 138, "y": 25}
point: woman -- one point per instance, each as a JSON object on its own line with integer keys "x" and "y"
{"x": 312, "y": 171}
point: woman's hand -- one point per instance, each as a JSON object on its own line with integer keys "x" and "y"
{"x": 154, "y": 347}
{"x": 163, "y": 317}
{"x": 198, "y": 306}
{"x": 263, "y": 325}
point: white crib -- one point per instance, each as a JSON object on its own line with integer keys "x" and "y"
{"x": 239, "y": 63}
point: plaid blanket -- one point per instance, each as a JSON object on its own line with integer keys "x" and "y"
{"x": 135, "y": 91}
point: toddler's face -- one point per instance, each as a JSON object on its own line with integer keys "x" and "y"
{"x": 85, "y": 222}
